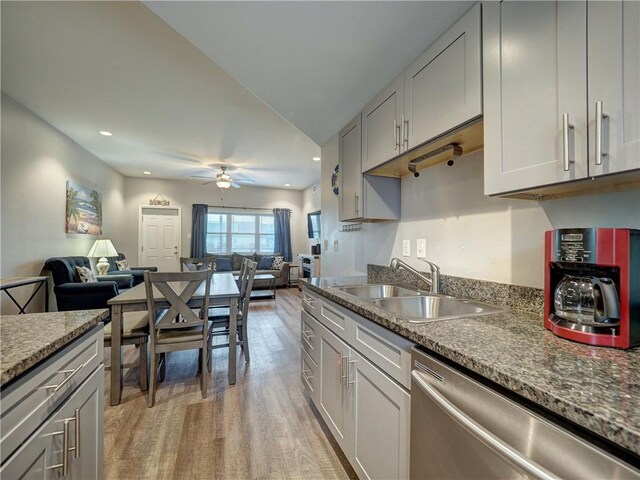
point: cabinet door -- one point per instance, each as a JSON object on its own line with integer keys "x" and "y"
{"x": 381, "y": 125}
{"x": 614, "y": 81}
{"x": 333, "y": 365}
{"x": 350, "y": 158}
{"x": 41, "y": 457}
{"x": 443, "y": 87}
{"x": 534, "y": 72}
{"x": 379, "y": 412}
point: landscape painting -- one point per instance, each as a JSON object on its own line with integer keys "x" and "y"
{"x": 84, "y": 210}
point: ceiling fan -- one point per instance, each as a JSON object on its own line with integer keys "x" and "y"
{"x": 223, "y": 179}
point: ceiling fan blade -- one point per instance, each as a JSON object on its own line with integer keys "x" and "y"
{"x": 209, "y": 182}
{"x": 235, "y": 185}
{"x": 202, "y": 176}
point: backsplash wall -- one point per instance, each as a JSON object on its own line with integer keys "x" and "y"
{"x": 468, "y": 235}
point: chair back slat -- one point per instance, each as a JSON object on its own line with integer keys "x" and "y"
{"x": 178, "y": 290}
{"x": 196, "y": 264}
{"x": 246, "y": 284}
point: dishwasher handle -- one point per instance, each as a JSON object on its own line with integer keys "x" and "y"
{"x": 503, "y": 449}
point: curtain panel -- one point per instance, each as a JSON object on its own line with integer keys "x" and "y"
{"x": 282, "y": 227}
{"x": 199, "y": 230}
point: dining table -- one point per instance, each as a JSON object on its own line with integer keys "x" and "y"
{"x": 223, "y": 291}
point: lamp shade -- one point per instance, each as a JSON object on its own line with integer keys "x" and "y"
{"x": 103, "y": 248}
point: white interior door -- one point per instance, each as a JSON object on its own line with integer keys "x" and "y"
{"x": 160, "y": 238}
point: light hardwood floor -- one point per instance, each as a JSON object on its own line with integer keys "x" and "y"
{"x": 262, "y": 427}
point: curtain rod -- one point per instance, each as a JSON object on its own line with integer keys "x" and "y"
{"x": 244, "y": 208}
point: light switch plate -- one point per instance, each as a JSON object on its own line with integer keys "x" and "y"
{"x": 406, "y": 248}
{"x": 335, "y": 245}
{"x": 325, "y": 245}
{"x": 421, "y": 248}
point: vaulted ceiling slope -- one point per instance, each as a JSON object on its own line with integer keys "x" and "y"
{"x": 316, "y": 63}
{"x": 116, "y": 66}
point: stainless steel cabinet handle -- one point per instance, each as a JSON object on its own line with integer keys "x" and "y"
{"x": 396, "y": 132}
{"x": 349, "y": 375}
{"x": 77, "y": 447}
{"x": 343, "y": 371}
{"x": 503, "y": 449}
{"x": 305, "y": 374}
{"x": 405, "y": 136}
{"x": 66, "y": 379}
{"x": 340, "y": 366}
{"x": 567, "y": 142}
{"x": 65, "y": 449}
{"x": 308, "y": 335}
{"x": 356, "y": 209}
{"x": 601, "y": 151}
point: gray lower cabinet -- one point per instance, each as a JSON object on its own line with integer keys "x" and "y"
{"x": 358, "y": 394}
{"x": 51, "y": 418}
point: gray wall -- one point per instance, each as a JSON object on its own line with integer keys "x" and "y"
{"x": 185, "y": 193}
{"x": 37, "y": 160}
{"x": 467, "y": 234}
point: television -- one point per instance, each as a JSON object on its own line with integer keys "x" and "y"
{"x": 313, "y": 224}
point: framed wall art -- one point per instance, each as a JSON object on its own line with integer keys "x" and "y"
{"x": 83, "y": 210}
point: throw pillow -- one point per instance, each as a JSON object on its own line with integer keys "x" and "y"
{"x": 266, "y": 262}
{"x": 123, "y": 266}
{"x": 278, "y": 260}
{"x": 223, "y": 264}
{"x": 85, "y": 275}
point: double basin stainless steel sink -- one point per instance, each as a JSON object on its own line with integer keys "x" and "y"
{"x": 416, "y": 305}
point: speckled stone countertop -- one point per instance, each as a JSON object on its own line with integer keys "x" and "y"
{"x": 596, "y": 388}
{"x": 25, "y": 340}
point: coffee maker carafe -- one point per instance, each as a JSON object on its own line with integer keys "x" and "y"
{"x": 592, "y": 285}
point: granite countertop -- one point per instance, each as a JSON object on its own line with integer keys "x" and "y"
{"x": 597, "y": 388}
{"x": 25, "y": 340}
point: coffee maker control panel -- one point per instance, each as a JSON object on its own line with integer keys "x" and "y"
{"x": 575, "y": 245}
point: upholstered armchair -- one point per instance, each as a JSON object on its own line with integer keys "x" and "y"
{"x": 71, "y": 294}
{"x": 136, "y": 272}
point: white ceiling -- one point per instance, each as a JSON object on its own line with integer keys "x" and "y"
{"x": 315, "y": 63}
{"x": 174, "y": 108}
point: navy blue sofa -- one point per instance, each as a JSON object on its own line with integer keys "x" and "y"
{"x": 136, "y": 272}
{"x": 71, "y": 294}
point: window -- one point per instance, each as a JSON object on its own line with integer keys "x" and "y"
{"x": 240, "y": 232}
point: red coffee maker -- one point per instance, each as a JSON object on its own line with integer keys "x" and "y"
{"x": 592, "y": 285}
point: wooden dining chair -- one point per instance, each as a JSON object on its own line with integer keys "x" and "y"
{"x": 135, "y": 331}
{"x": 196, "y": 264}
{"x": 219, "y": 318}
{"x": 168, "y": 335}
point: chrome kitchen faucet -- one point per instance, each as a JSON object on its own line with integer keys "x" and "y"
{"x": 433, "y": 282}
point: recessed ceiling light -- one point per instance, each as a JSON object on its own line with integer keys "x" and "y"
{"x": 147, "y": 173}
{"x": 316, "y": 159}
{"x": 287, "y": 184}
{"x": 105, "y": 133}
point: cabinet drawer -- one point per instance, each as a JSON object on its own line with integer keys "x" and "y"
{"x": 310, "y": 302}
{"x": 309, "y": 335}
{"x": 391, "y": 353}
{"x": 309, "y": 374}
{"x": 35, "y": 396}
{"x": 334, "y": 318}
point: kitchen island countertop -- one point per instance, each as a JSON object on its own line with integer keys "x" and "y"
{"x": 597, "y": 388}
{"x": 25, "y": 340}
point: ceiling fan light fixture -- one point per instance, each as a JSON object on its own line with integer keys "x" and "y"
{"x": 223, "y": 183}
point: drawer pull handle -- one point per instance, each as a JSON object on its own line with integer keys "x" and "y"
{"x": 308, "y": 335}
{"x": 308, "y": 301}
{"x": 306, "y": 375}
{"x": 66, "y": 379}
{"x": 349, "y": 370}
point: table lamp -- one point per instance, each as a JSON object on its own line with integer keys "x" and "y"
{"x": 102, "y": 249}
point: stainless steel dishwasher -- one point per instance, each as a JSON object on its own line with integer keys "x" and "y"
{"x": 462, "y": 429}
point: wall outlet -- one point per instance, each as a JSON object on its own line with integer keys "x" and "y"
{"x": 325, "y": 245}
{"x": 335, "y": 245}
{"x": 406, "y": 248}
{"x": 421, "y": 248}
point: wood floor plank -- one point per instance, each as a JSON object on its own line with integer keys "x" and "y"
{"x": 262, "y": 427}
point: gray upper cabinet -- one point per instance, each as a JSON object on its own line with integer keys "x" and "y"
{"x": 614, "y": 86}
{"x": 535, "y": 66}
{"x": 559, "y": 105}
{"x": 443, "y": 87}
{"x": 382, "y": 125}
{"x": 363, "y": 197}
